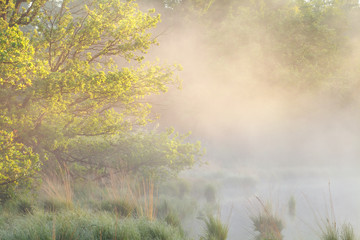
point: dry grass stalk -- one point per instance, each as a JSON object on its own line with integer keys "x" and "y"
{"x": 147, "y": 207}
{"x": 122, "y": 187}
{"x": 58, "y": 186}
{"x": 54, "y": 229}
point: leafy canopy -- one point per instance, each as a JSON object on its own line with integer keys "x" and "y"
{"x": 65, "y": 95}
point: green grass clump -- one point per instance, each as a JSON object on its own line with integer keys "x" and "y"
{"x": 347, "y": 232}
{"x": 54, "y": 205}
{"x": 215, "y": 229}
{"x": 25, "y": 206}
{"x": 84, "y": 225}
{"x": 173, "y": 219}
{"x": 331, "y": 232}
{"x": 119, "y": 207}
{"x": 269, "y": 227}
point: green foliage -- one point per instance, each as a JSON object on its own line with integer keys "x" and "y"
{"x": 66, "y": 100}
{"x": 145, "y": 152}
{"x": 84, "y": 225}
{"x": 172, "y": 219}
{"x": 25, "y": 206}
{"x": 192, "y": 8}
{"x": 18, "y": 165}
{"x": 301, "y": 44}
{"x": 16, "y": 58}
{"x": 119, "y": 207}
{"x": 175, "y": 187}
{"x": 19, "y": 12}
{"x": 54, "y": 205}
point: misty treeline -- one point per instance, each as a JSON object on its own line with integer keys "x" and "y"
{"x": 297, "y": 44}
{"x": 75, "y": 81}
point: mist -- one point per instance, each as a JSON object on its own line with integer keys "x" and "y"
{"x": 264, "y": 138}
{"x": 259, "y": 140}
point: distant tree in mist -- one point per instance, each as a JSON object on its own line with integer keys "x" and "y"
{"x": 292, "y": 207}
{"x": 210, "y": 193}
{"x": 301, "y": 44}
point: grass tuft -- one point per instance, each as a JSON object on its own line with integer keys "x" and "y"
{"x": 267, "y": 223}
{"x": 119, "y": 207}
{"x": 84, "y": 225}
{"x": 25, "y": 206}
{"x": 215, "y": 229}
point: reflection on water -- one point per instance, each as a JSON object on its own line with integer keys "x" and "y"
{"x": 314, "y": 191}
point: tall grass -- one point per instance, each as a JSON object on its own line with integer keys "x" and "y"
{"x": 267, "y": 223}
{"x": 215, "y": 229}
{"x": 331, "y": 229}
{"x": 85, "y": 225}
{"x": 57, "y": 187}
{"x": 139, "y": 193}
{"x": 332, "y": 232}
{"x": 147, "y": 204}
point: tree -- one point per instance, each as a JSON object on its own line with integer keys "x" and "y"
{"x": 67, "y": 90}
{"x": 16, "y": 56}
{"x": 19, "y": 12}
{"x": 18, "y": 164}
{"x": 294, "y": 43}
{"x": 145, "y": 153}
{"x": 297, "y": 44}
